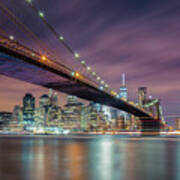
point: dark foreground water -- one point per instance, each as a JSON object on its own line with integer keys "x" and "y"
{"x": 102, "y": 158}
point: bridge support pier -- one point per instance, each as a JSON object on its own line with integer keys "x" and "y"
{"x": 150, "y": 127}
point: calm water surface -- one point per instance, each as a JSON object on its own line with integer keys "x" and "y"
{"x": 101, "y": 158}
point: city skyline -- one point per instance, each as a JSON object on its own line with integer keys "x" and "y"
{"x": 135, "y": 36}
{"x": 89, "y": 89}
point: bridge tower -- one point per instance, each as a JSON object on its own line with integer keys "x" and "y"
{"x": 142, "y": 95}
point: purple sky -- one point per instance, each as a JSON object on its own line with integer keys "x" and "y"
{"x": 136, "y": 37}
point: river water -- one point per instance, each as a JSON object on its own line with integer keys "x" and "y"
{"x": 83, "y": 158}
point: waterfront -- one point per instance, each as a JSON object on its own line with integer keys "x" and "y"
{"x": 89, "y": 157}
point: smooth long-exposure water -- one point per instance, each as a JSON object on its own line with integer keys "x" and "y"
{"x": 79, "y": 158}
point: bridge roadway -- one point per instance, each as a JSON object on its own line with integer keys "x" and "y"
{"x": 20, "y": 62}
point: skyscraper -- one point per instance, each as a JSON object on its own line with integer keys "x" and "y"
{"x": 28, "y": 108}
{"x": 72, "y": 100}
{"x": 44, "y": 101}
{"x": 123, "y": 93}
{"x": 53, "y": 98}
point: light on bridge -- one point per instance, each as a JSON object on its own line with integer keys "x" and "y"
{"x": 43, "y": 58}
{"x": 29, "y": 1}
{"x": 76, "y": 55}
{"x": 83, "y": 62}
{"x": 77, "y": 75}
{"x": 113, "y": 93}
{"x": 11, "y": 37}
{"x": 94, "y": 73}
{"x": 101, "y": 87}
{"x": 73, "y": 73}
{"x": 98, "y": 78}
{"x": 106, "y": 85}
{"x": 41, "y": 14}
{"x": 61, "y": 38}
{"x": 88, "y": 68}
{"x": 102, "y": 82}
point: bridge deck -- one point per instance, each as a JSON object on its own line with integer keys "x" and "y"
{"x": 16, "y": 61}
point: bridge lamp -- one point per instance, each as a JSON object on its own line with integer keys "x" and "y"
{"x": 33, "y": 54}
{"x": 29, "y": 1}
{"x": 43, "y": 58}
{"x": 41, "y": 14}
{"x": 76, "y": 55}
{"x": 101, "y": 88}
{"x": 88, "y": 68}
{"x": 82, "y": 62}
{"x": 73, "y": 73}
{"x": 77, "y": 75}
{"x": 98, "y": 78}
{"x": 113, "y": 93}
{"x": 94, "y": 73}
{"x": 61, "y": 38}
{"x": 117, "y": 96}
{"x": 102, "y": 82}
{"x": 106, "y": 85}
{"x": 11, "y": 37}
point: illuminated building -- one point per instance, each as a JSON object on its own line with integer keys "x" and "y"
{"x": 84, "y": 123}
{"x": 17, "y": 115}
{"x": 72, "y": 100}
{"x": 92, "y": 116}
{"x": 53, "y": 99}
{"x": 72, "y": 112}
{"x": 16, "y": 123}
{"x": 39, "y": 117}
{"x": 107, "y": 113}
{"x": 123, "y": 93}
{"x": 28, "y": 109}
{"x": 54, "y": 117}
{"x": 95, "y": 118}
{"x": 5, "y": 118}
{"x": 44, "y": 101}
{"x": 49, "y": 113}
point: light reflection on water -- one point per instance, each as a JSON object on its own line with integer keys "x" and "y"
{"x": 105, "y": 158}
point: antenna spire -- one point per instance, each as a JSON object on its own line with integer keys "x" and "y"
{"x": 123, "y": 79}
